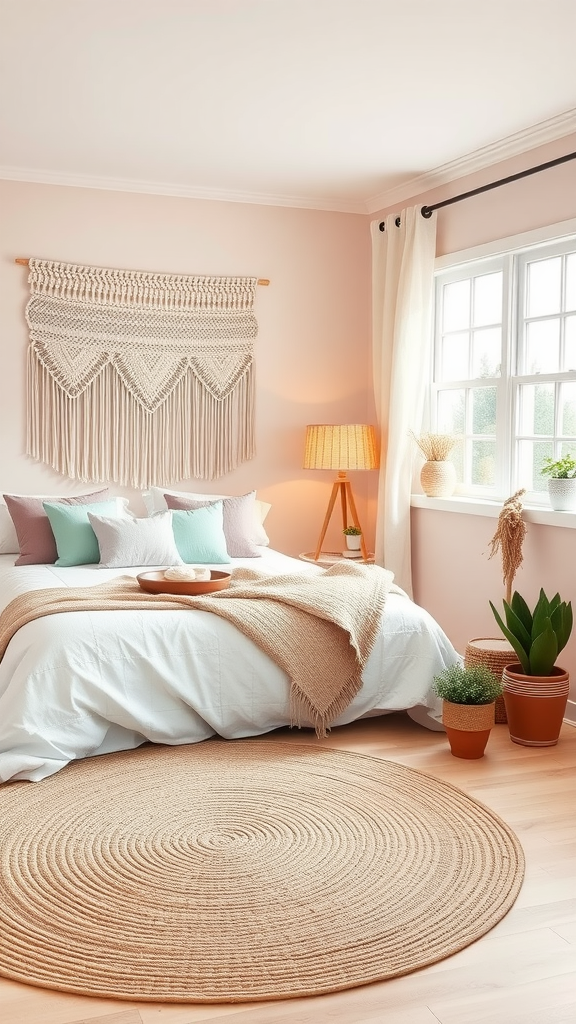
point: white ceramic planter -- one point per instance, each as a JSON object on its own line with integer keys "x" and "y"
{"x": 353, "y": 544}
{"x": 562, "y": 494}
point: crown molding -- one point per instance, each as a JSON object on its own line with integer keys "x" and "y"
{"x": 44, "y": 177}
{"x": 530, "y": 138}
{"x": 514, "y": 145}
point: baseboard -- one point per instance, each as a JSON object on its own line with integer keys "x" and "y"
{"x": 570, "y": 716}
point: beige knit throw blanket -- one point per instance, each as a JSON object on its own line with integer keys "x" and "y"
{"x": 319, "y": 629}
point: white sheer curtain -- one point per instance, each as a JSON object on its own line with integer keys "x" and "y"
{"x": 402, "y": 292}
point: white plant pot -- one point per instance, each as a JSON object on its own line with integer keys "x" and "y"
{"x": 562, "y": 494}
{"x": 438, "y": 479}
{"x": 352, "y": 544}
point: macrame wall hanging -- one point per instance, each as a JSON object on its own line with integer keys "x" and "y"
{"x": 139, "y": 378}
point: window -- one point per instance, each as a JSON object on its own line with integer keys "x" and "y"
{"x": 504, "y": 375}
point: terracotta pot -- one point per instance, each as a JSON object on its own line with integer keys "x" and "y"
{"x": 468, "y": 727}
{"x": 535, "y": 705}
{"x": 470, "y": 745}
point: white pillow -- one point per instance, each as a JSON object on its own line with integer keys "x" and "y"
{"x": 8, "y": 540}
{"x": 154, "y": 502}
{"x": 125, "y": 542}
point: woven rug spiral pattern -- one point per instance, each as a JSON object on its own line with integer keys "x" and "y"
{"x": 243, "y": 870}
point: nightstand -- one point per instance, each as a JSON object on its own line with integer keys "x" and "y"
{"x": 331, "y": 557}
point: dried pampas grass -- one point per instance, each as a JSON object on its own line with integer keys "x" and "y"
{"x": 509, "y": 538}
{"x": 436, "y": 447}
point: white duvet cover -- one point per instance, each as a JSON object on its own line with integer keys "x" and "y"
{"x": 84, "y": 683}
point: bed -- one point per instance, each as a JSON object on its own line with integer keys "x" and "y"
{"x": 84, "y": 683}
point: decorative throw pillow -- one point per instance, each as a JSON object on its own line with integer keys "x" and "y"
{"x": 238, "y": 521}
{"x": 155, "y": 501}
{"x": 8, "y": 538}
{"x": 199, "y": 534}
{"x": 76, "y": 542}
{"x": 35, "y": 537}
{"x": 135, "y": 541}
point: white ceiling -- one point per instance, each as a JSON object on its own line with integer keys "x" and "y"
{"x": 346, "y": 105}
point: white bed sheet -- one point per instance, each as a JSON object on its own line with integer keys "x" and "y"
{"x": 85, "y": 683}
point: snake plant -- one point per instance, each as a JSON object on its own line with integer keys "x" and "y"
{"x": 537, "y": 637}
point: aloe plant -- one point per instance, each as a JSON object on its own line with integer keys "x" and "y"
{"x": 537, "y": 637}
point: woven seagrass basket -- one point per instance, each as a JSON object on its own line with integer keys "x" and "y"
{"x": 496, "y": 654}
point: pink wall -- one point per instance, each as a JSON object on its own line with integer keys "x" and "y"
{"x": 453, "y": 577}
{"x": 312, "y": 355}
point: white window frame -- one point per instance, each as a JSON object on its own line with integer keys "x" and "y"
{"x": 506, "y": 254}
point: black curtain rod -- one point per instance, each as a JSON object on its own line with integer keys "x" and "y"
{"x": 427, "y": 211}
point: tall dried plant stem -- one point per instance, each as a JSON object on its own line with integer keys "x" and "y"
{"x": 509, "y": 538}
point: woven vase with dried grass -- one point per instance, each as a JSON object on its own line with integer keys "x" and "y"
{"x": 438, "y": 474}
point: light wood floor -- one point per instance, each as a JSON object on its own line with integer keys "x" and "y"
{"x": 522, "y": 972}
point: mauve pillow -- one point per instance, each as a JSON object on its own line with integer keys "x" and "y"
{"x": 33, "y": 529}
{"x": 238, "y": 521}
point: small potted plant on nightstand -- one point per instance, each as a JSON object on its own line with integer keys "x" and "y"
{"x": 468, "y": 707}
{"x": 352, "y": 535}
{"x": 561, "y": 483}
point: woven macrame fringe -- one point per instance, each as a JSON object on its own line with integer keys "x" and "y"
{"x": 139, "y": 288}
{"x": 104, "y": 434}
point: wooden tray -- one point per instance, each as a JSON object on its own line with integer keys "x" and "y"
{"x": 155, "y": 583}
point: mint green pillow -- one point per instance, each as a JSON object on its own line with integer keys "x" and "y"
{"x": 199, "y": 534}
{"x": 76, "y": 542}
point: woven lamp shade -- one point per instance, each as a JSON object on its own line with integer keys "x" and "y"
{"x": 341, "y": 447}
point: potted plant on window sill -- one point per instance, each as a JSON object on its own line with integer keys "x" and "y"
{"x": 536, "y": 689}
{"x": 561, "y": 483}
{"x": 353, "y": 543}
{"x": 468, "y": 707}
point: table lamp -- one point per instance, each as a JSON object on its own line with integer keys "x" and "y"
{"x": 341, "y": 447}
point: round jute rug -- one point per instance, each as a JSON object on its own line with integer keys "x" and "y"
{"x": 243, "y": 870}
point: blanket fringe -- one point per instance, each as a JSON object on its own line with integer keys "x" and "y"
{"x": 303, "y": 712}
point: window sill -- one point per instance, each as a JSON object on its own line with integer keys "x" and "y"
{"x": 484, "y": 507}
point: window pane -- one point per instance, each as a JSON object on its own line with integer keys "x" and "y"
{"x": 543, "y": 287}
{"x": 536, "y": 413}
{"x": 486, "y": 352}
{"x": 488, "y": 299}
{"x": 456, "y": 306}
{"x": 570, "y": 302}
{"x": 484, "y": 463}
{"x": 542, "y": 347}
{"x": 451, "y": 412}
{"x": 455, "y": 359}
{"x": 570, "y": 343}
{"x": 483, "y": 410}
{"x": 568, "y": 449}
{"x": 531, "y": 455}
{"x": 568, "y": 410}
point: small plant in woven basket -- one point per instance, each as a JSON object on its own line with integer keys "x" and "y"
{"x": 468, "y": 707}
{"x": 474, "y": 684}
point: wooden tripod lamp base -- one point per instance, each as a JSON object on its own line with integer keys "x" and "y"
{"x": 342, "y": 487}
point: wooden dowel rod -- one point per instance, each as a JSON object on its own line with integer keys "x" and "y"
{"x": 24, "y": 263}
